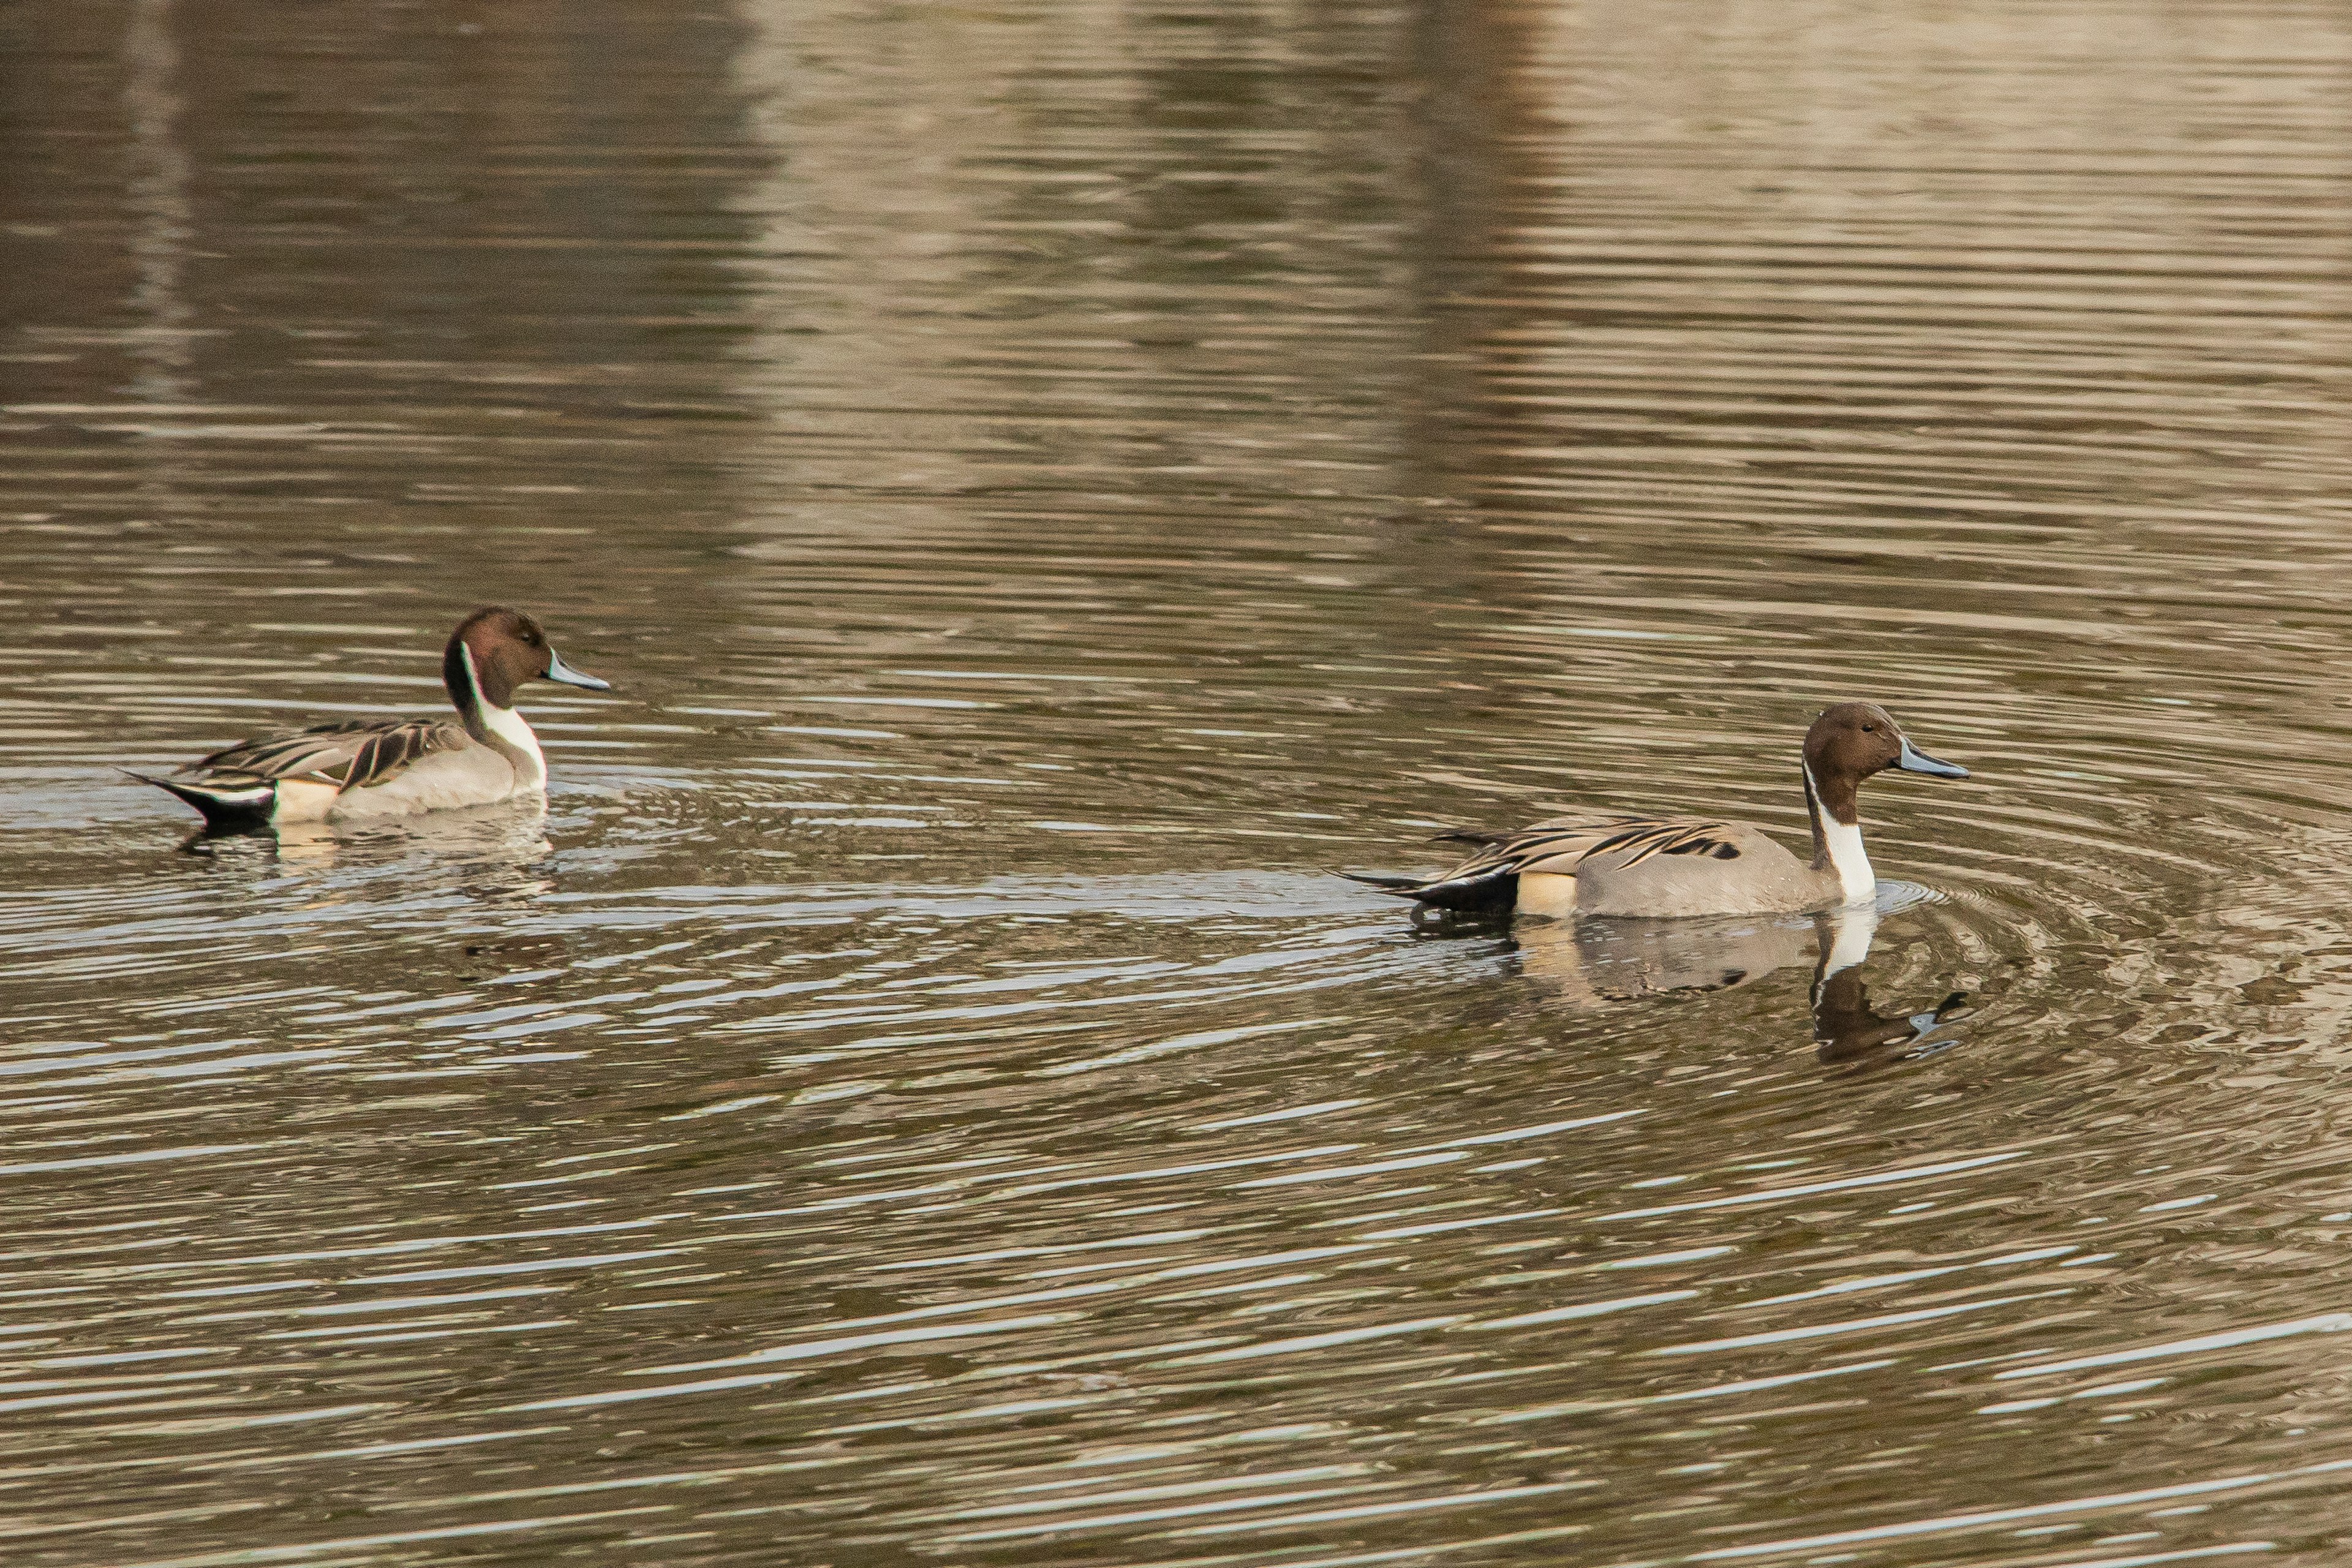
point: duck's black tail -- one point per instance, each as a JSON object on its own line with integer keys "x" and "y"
{"x": 1485, "y": 893}
{"x": 224, "y": 806}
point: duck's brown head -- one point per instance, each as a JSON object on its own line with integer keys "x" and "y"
{"x": 495, "y": 650}
{"x": 1853, "y": 741}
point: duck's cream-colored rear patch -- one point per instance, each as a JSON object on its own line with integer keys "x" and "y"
{"x": 1546, "y": 893}
{"x": 301, "y": 800}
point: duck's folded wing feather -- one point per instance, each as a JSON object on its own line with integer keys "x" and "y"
{"x": 1556, "y": 847}
{"x": 352, "y": 754}
{"x": 388, "y": 751}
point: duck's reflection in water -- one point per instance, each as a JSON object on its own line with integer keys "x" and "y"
{"x": 484, "y": 849}
{"x": 1595, "y": 962}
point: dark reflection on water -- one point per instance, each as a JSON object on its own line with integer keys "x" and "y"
{"x": 1598, "y": 962}
{"x": 1048, "y": 481}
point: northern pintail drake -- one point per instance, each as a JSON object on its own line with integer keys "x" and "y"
{"x": 1673, "y": 867}
{"x": 397, "y": 767}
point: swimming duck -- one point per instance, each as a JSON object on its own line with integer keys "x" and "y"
{"x": 1671, "y": 867}
{"x": 391, "y": 767}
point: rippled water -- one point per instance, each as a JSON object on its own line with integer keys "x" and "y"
{"x": 1048, "y": 481}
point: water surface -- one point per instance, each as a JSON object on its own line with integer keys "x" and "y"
{"x": 1048, "y": 481}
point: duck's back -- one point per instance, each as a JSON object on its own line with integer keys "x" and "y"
{"x": 1746, "y": 873}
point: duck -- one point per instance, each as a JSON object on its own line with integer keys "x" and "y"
{"x": 1678, "y": 867}
{"x": 396, "y": 767}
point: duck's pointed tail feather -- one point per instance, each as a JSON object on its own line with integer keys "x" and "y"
{"x": 223, "y": 805}
{"x": 1490, "y": 891}
{"x": 1401, "y": 886}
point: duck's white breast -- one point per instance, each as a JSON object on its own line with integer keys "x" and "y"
{"x": 514, "y": 732}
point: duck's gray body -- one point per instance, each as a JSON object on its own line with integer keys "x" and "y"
{"x": 467, "y": 774}
{"x": 336, "y": 773}
{"x": 1643, "y": 867}
{"x": 1736, "y": 869}
{"x": 1677, "y": 868}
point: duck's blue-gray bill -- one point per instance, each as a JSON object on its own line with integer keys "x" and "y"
{"x": 559, "y": 670}
{"x": 1915, "y": 760}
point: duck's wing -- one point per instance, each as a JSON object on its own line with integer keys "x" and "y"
{"x": 1489, "y": 877}
{"x": 350, "y": 755}
{"x": 1555, "y": 847}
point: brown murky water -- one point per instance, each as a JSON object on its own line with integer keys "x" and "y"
{"x": 1047, "y": 481}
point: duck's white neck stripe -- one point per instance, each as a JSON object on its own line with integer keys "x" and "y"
{"x": 507, "y": 727}
{"x": 1843, "y": 842}
{"x": 531, "y": 767}
{"x": 1850, "y": 934}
